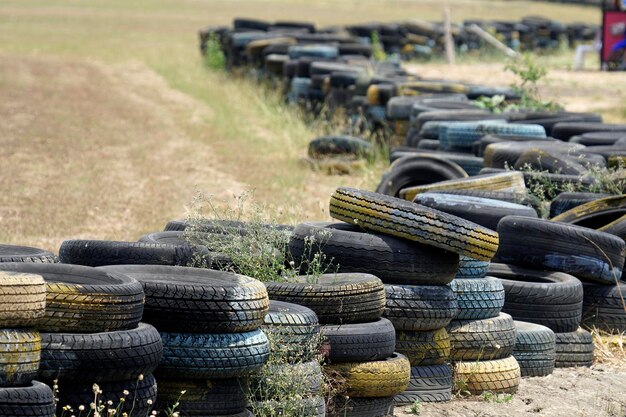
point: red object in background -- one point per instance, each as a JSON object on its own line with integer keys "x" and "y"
{"x": 613, "y": 31}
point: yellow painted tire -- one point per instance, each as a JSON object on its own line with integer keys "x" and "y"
{"x": 497, "y": 376}
{"x": 20, "y": 353}
{"x": 595, "y": 214}
{"x": 22, "y": 299}
{"x": 424, "y": 348}
{"x": 505, "y": 181}
{"x": 393, "y": 216}
{"x": 375, "y": 379}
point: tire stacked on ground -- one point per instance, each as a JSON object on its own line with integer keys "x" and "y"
{"x": 91, "y": 332}
{"x": 210, "y": 330}
{"x": 594, "y": 257}
{"x": 535, "y": 349}
{"x": 13, "y": 253}
{"x": 360, "y": 343}
{"x": 22, "y": 305}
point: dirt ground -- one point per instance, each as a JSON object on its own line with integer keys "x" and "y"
{"x": 570, "y": 392}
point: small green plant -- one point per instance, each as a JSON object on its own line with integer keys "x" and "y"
{"x": 415, "y": 408}
{"x": 530, "y": 73}
{"x": 491, "y": 397}
{"x": 213, "y": 55}
{"x": 378, "y": 52}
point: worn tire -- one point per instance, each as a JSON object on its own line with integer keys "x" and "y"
{"x": 486, "y": 339}
{"x": 478, "y": 298}
{"x": 34, "y": 399}
{"x": 310, "y": 407}
{"x": 617, "y": 227}
{"x": 506, "y": 196}
{"x": 335, "y": 298}
{"x": 384, "y": 378}
{"x": 80, "y": 299}
{"x": 13, "y": 253}
{"x": 198, "y": 300}
{"x": 428, "y": 384}
{"x": 203, "y": 397}
{"x": 535, "y": 349}
{"x": 360, "y": 342}
{"x": 568, "y": 200}
{"x": 420, "y": 307}
{"x": 596, "y": 213}
{"x": 21, "y": 353}
{"x": 22, "y": 299}
{"x": 471, "y": 268}
{"x": 293, "y": 326}
{"x": 497, "y": 376}
{"x": 424, "y": 348}
{"x": 574, "y": 349}
{"x": 575, "y": 250}
{"x": 325, "y": 146}
{"x": 551, "y": 299}
{"x": 603, "y": 307}
{"x": 362, "y": 407}
{"x": 217, "y": 355}
{"x": 100, "y": 357}
{"x": 394, "y": 260}
{"x": 411, "y": 221}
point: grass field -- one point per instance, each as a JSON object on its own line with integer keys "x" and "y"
{"x": 110, "y": 120}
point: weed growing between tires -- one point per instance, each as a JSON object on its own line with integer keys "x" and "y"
{"x": 259, "y": 249}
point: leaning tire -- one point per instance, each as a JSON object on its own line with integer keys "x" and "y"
{"x": 574, "y": 349}
{"x": 486, "y": 339}
{"x": 360, "y": 342}
{"x": 411, "y": 221}
{"x": 32, "y": 400}
{"x": 420, "y": 307}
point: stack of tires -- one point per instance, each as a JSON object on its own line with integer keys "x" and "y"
{"x": 91, "y": 333}
{"x": 23, "y": 300}
{"x": 209, "y": 323}
{"x": 592, "y": 256}
{"x": 360, "y": 343}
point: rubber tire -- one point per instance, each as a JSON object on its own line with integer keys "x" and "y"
{"x": 548, "y": 160}
{"x": 180, "y": 299}
{"x": 551, "y": 299}
{"x": 310, "y": 407}
{"x": 522, "y": 198}
{"x": 21, "y": 353}
{"x": 100, "y": 357}
{"x": 498, "y": 376}
{"x": 471, "y": 268}
{"x": 360, "y": 342}
{"x": 575, "y": 250}
{"x": 565, "y": 131}
{"x": 603, "y": 307}
{"x": 217, "y": 355}
{"x": 335, "y": 298}
{"x": 482, "y": 211}
{"x": 384, "y": 378}
{"x": 106, "y": 252}
{"x": 478, "y": 340}
{"x": 568, "y": 200}
{"x": 350, "y": 249}
{"x": 325, "y": 146}
{"x": 203, "y": 397}
{"x": 363, "y": 407}
{"x": 574, "y": 349}
{"x": 617, "y": 227}
{"x": 596, "y": 213}
{"x": 32, "y": 400}
{"x": 141, "y": 392}
{"x": 80, "y": 299}
{"x": 424, "y": 348}
{"x": 535, "y": 349}
{"x": 293, "y": 326}
{"x": 478, "y": 298}
{"x": 13, "y": 253}
{"x": 420, "y": 307}
{"x": 407, "y": 220}
{"x": 220, "y": 226}
{"x": 22, "y": 299}
{"x": 305, "y": 380}
{"x": 428, "y": 384}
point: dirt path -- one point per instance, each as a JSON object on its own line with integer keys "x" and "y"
{"x": 570, "y": 392}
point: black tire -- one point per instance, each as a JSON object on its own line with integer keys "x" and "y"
{"x": 100, "y": 357}
{"x": 207, "y": 356}
{"x": 482, "y": 211}
{"x": 219, "y": 226}
{"x": 616, "y": 228}
{"x": 325, "y": 146}
{"x": 428, "y": 384}
{"x": 551, "y": 299}
{"x": 293, "y": 326}
{"x": 203, "y": 397}
{"x": 568, "y": 200}
{"x": 585, "y": 253}
{"x": 335, "y": 298}
{"x": 394, "y": 260}
{"x": 479, "y": 340}
{"x": 574, "y": 349}
{"x": 141, "y": 397}
{"x": 551, "y": 161}
{"x": 471, "y": 268}
{"x": 404, "y": 219}
{"x": 598, "y": 138}
{"x": 565, "y": 131}
{"x": 501, "y": 155}
{"x": 362, "y": 407}
{"x": 534, "y": 349}
{"x": 417, "y": 169}
{"x": 420, "y": 307}
{"x": 12, "y": 253}
{"x": 198, "y": 300}
{"x": 360, "y": 342}
{"x": 106, "y": 252}
{"x": 310, "y": 407}
{"x": 21, "y": 353}
{"x": 32, "y": 400}
{"x": 80, "y": 299}
{"x": 596, "y": 213}
{"x": 478, "y": 298}
{"x": 424, "y": 348}
{"x": 603, "y": 307}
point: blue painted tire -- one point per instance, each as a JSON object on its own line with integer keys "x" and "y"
{"x": 478, "y": 298}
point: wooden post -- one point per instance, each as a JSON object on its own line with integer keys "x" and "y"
{"x": 493, "y": 41}
{"x": 448, "y": 41}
